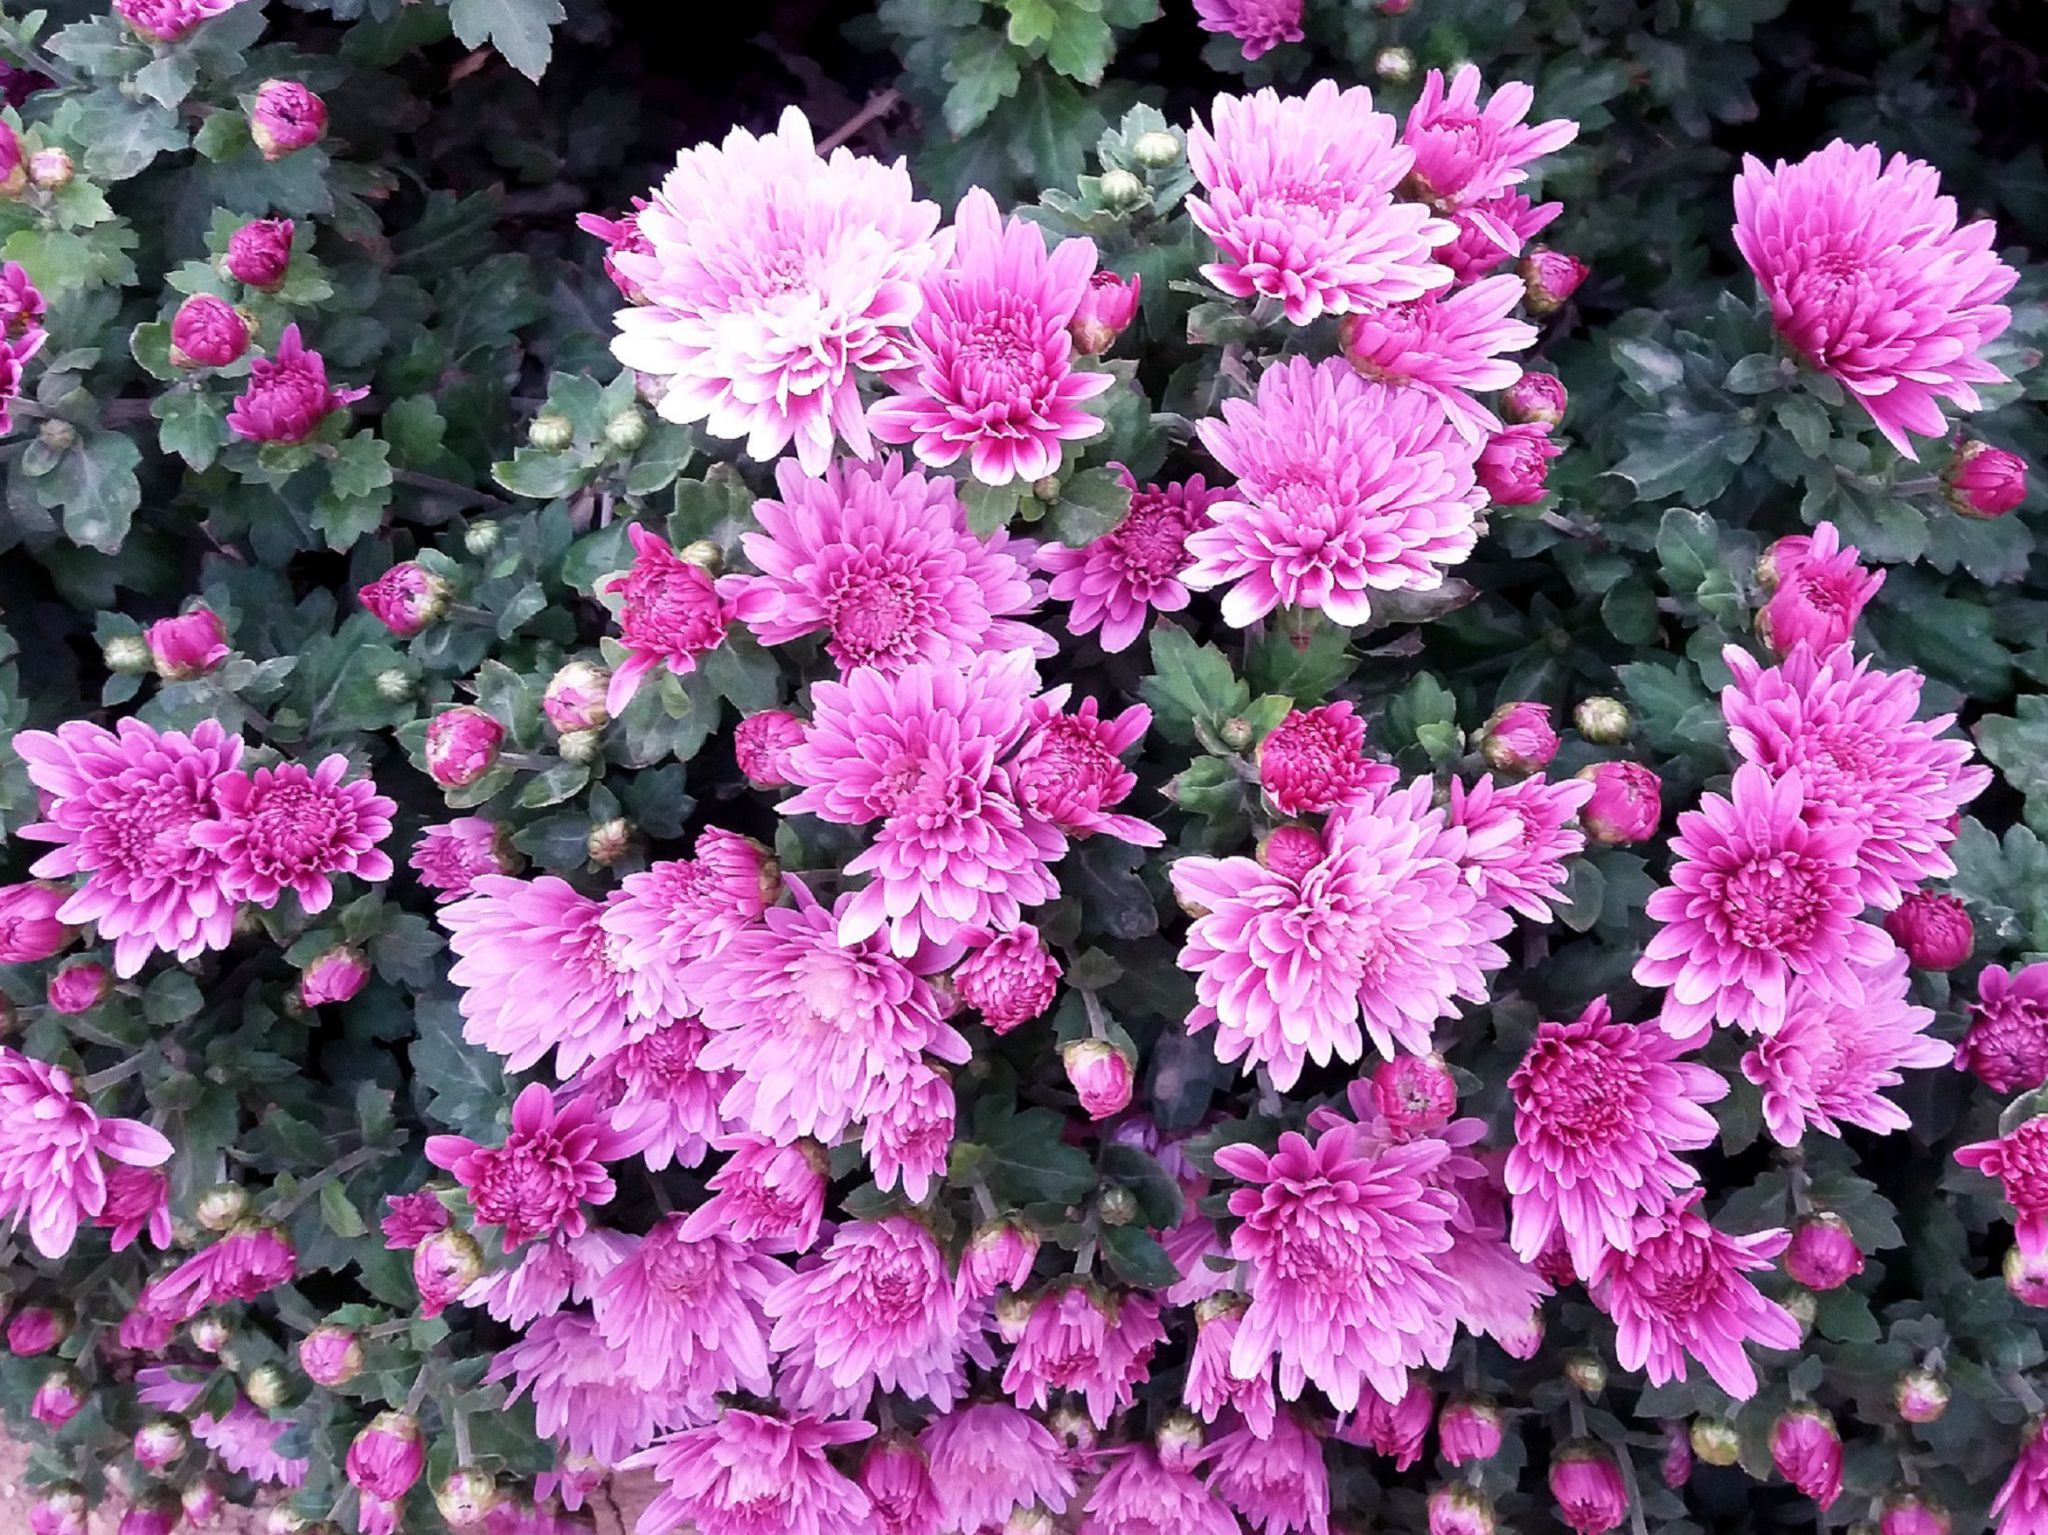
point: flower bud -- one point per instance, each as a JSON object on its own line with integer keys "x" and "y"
{"x": 283, "y": 1519}
{"x": 762, "y": 744}
{"x": 1100, "y": 1074}
{"x": 30, "y": 928}
{"x": 2026, "y": 1276}
{"x": 466, "y": 1496}
{"x": 200, "y": 1499}
{"x": 999, "y": 1256}
{"x": 1676, "y": 1464}
{"x": 268, "y": 1386}
{"x": 462, "y": 746}
{"x": 1802, "y": 1305}
{"x": 443, "y": 1266}
{"x": 57, "y": 435}
{"x": 1121, "y": 189}
{"x": 79, "y": 987}
{"x": 260, "y": 253}
{"x": 127, "y": 653}
{"x": 575, "y": 698}
{"x": 1030, "y": 1519}
{"x": 158, "y": 1442}
{"x": 394, "y": 684}
{"x": 1586, "y": 1372}
{"x": 704, "y": 554}
{"x": 550, "y": 432}
{"x": 1983, "y": 481}
{"x": 1907, "y": 1513}
{"x": 580, "y": 746}
{"x": 482, "y": 538}
{"x": 188, "y": 646}
{"x": 609, "y": 841}
{"x": 1236, "y": 732}
{"x": 1935, "y": 930}
{"x": 13, "y": 169}
{"x": 407, "y": 599}
{"x": 1808, "y": 1452}
{"x": 50, "y": 169}
{"x": 1073, "y": 1428}
{"x": 222, "y": 1207}
{"x": 58, "y": 1398}
{"x": 1921, "y": 1396}
{"x": 1587, "y": 1484}
{"x": 1549, "y": 278}
{"x": 157, "y": 1513}
{"x": 1179, "y": 1442}
{"x": 626, "y": 431}
{"x": 285, "y": 118}
{"x": 1415, "y": 1094}
{"x": 1156, "y": 149}
{"x": 207, "y": 332}
{"x": 1291, "y": 851}
{"x": 1108, "y": 305}
{"x": 1457, "y": 1509}
{"x": 209, "y": 1334}
{"x": 1117, "y": 1206}
{"x": 1822, "y": 1254}
{"x": 1535, "y": 397}
{"x": 36, "y": 1330}
{"x": 1603, "y": 721}
{"x": 1521, "y": 1340}
{"x": 1626, "y": 805}
{"x": 334, "y": 976}
{"x": 1013, "y": 1315}
{"x": 59, "y": 1509}
{"x": 1047, "y": 489}
{"x": 1467, "y": 1429}
{"x": 1716, "y": 1441}
{"x": 330, "y": 1356}
{"x": 1518, "y": 738}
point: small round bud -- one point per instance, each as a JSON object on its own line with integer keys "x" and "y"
{"x": 1117, "y": 1206}
{"x": 283, "y": 1519}
{"x": 221, "y": 1206}
{"x": 201, "y": 1499}
{"x": 1586, "y": 1372}
{"x": 466, "y": 1496}
{"x": 1921, "y": 1396}
{"x": 1047, "y": 489}
{"x": 1458, "y": 1509}
{"x": 1121, "y": 189}
{"x": 1396, "y": 66}
{"x": 1518, "y": 738}
{"x": 1716, "y": 1441}
{"x": 268, "y": 1387}
{"x": 1603, "y": 721}
{"x": 2026, "y": 1276}
{"x": 580, "y": 746}
{"x": 1823, "y": 1254}
{"x": 550, "y": 433}
{"x": 1073, "y": 1428}
{"x": 1984, "y": 482}
{"x": 1013, "y": 1315}
{"x": 50, "y": 169}
{"x": 57, "y": 436}
{"x": 462, "y": 746}
{"x": 608, "y": 841}
{"x": 160, "y": 1440}
{"x": 1179, "y": 1442}
{"x": 482, "y": 538}
{"x": 1157, "y": 149}
{"x": 1030, "y": 1519}
{"x": 1100, "y": 1075}
{"x": 704, "y": 554}
{"x": 394, "y": 684}
{"x": 574, "y": 698}
{"x": 209, "y": 1334}
{"x": 1237, "y": 733}
{"x": 626, "y": 431}
{"x": 1549, "y": 278}
{"x": 1803, "y": 1306}
{"x": 1291, "y": 851}
{"x": 330, "y": 1356}
{"x": 127, "y": 653}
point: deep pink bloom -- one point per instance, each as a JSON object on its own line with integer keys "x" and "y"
{"x": 21, "y": 305}
{"x": 2007, "y": 1043}
{"x": 1601, "y": 1111}
{"x": 29, "y": 926}
{"x": 251, "y": 1259}
{"x": 669, "y": 614}
{"x": 1870, "y": 279}
{"x": 449, "y": 858}
{"x": 1519, "y": 737}
{"x": 1984, "y": 481}
{"x": 1277, "y": 1481}
{"x": 285, "y": 828}
{"x": 772, "y": 280}
{"x": 683, "y": 1316}
{"x": 1445, "y": 348}
{"x": 1385, "y": 929}
{"x": 908, "y": 1137}
{"x": 1082, "y": 1339}
{"x": 54, "y": 1149}
{"x": 1821, "y": 590}
{"x": 260, "y": 253}
{"x": 1341, "y": 1243}
{"x": 881, "y": 562}
{"x": 206, "y": 332}
{"x": 1549, "y": 277}
{"x": 620, "y": 234}
{"x": 1414, "y": 1094}
{"x": 1107, "y": 307}
{"x": 1910, "y": 1514}
{"x": 537, "y": 1180}
{"x": 991, "y": 1459}
{"x": 334, "y": 975}
{"x": 285, "y": 118}
{"x": 656, "y": 1096}
{"x": 762, "y": 743}
{"x": 1138, "y": 1495}
{"x": 748, "y": 1475}
{"x": 1822, "y": 1254}
{"x": 1936, "y": 933}
{"x": 1466, "y": 152}
{"x": 1808, "y": 1451}
{"x": 1518, "y": 837}
{"x": 1757, "y": 897}
{"x": 406, "y": 599}
{"x": 1468, "y": 1428}
{"x": 1679, "y": 1290}
{"x": 1101, "y": 1075}
{"x": 1117, "y": 581}
{"x": 1831, "y": 1061}
{"x": 580, "y": 1395}
{"x": 462, "y": 746}
{"x": 1863, "y": 758}
{"x": 444, "y": 1267}
{"x": 1394, "y": 1428}
{"x": 383, "y": 1462}
{"x": 410, "y": 1219}
{"x": 548, "y": 1275}
{"x": 1344, "y": 488}
{"x": 287, "y": 395}
{"x": 1211, "y": 1385}
{"x": 1070, "y": 772}
{"x": 1314, "y": 762}
{"x": 768, "y": 1195}
{"x": 79, "y": 987}
{"x": 990, "y": 373}
{"x": 1009, "y": 978}
{"x": 2021, "y": 1507}
{"x": 187, "y": 646}
{"x": 1299, "y": 199}
{"x": 1491, "y": 231}
{"x": 36, "y": 1330}
{"x": 1626, "y": 805}
{"x": 1591, "y": 1496}
{"x": 122, "y": 807}
{"x": 1260, "y": 25}
{"x": 1535, "y": 397}
{"x": 2019, "y": 1160}
{"x": 1515, "y": 462}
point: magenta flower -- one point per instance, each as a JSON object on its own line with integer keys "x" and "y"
{"x": 1081, "y": 1339}
{"x": 1069, "y": 770}
{"x": 1395, "y": 1429}
{"x": 287, "y": 395}
{"x": 1535, "y": 397}
{"x": 260, "y": 253}
{"x": 78, "y": 987}
{"x": 620, "y": 234}
{"x": 1591, "y": 1496}
{"x": 580, "y": 1395}
{"x": 1822, "y": 1254}
{"x": 285, "y": 117}
{"x": 772, "y": 280}
{"x": 681, "y": 909}
{"x": 1807, "y": 1450}
{"x": 206, "y": 332}
{"x": 1211, "y": 1386}
{"x": 2007, "y": 1043}
{"x": 998, "y": 1256}
{"x": 1491, "y": 231}
{"x": 538, "y": 1179}
{"x": 1549, "y": 278}
{"x": 1341, "y": 1243}
{"x": 762, "y": 743}
{"x": 1107, "y": 307}
{"x": 1101, "y": 1074}
{"x": 1260, "y": 25}
{"x": 187, "y": 646}
{"x": 383, "y": 1462}
{"x": 2021, "y": 1507}
{"x": 53, "y": 1150}
{"x": 683, "y": 1316}
{"x": 250, "y": 1260}
{"x": 1314, "y": 762}
{"x": 1445, "y": 348}
{"x": 245, "y": 1438}
{"x": 1757, "y": 897}
{"x": 813, "y": 1027}
{"x": 1983, "y": 481}
{"x": 165, "y": 21}
{"x": 285, "y": 828}
{"x": 1414, "y": 1094}
{"x": 1517, "y": 838}
{"x": 1009, "y": 978}
{"x": 989, "y": 1460}
{"x": 138, "y": 1201}
{"x": 1468, "y": 1429}
{"x": 2019, "y": 1160}
{"x": 768, "y": 1195}
{"x": 747, "y": 1474}
{"x": 1138, "y": 1495}
{"x": 333, "y": 975}
{"x": 1277, "y": 1481}
{"x": 409, "y": 1219}
{"x": 1830, "y": 1063}
{"x": 123, "y": 804}
{"x": 1863, "y": 758}
{"x": 1935, "y": 931}
{"x": 656, "y": 1097}
{"x": 1515, "y": 462}
{"x": 1343, "y": 488}
{"x": 462, "y": 746}
{"x": 1466, "y": 153}
{"x": 908, "y": 1136}
{"x": 1117, "y": 581}
{"x": 1678, "y": 1290}
{"x": 21, "y": 304}
{"x": 547, "y": 1275}
{"x": 1601, "y": 1111}
{"x": 1820, "y": 591}
{"x": 882, "y": 563}
{"x": 407, "y": 599}
{"x": 898, "y": 1481}
{"x": 1300, "y": 202}
{"x": 1870, "y": 279}
{"x": 1626, "y": 805}
{"x": 451, "y": 857}
{"x": 990, "y": 372}
{"x": 669, "y": 614}
{"x": 29, "y": 926}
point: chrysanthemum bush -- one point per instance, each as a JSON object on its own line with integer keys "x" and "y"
{"x": 1246, "y": 768}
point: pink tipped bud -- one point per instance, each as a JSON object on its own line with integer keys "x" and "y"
{"x": 36, "y": 1330}
{"x": 188, "y": 646}
{"x": 1603, "y": 721}
{"x": 330, "y": 1356}
{"x": 466, "y": 1496}
{"x": 1591, "y": 1496}
{"x": 1468, "y": 1428}
{"x": 443, "y": 1266}
{"x": 79, "y": 987}
{"x": 1107, "y": 307}
{"x": 260, "y": 253}
{"x": 59, "y": 1509}
{"x": 1535, "y": 397}
{"x": 763, "y": 742}
{"x": 1179, "y": 1442}
{"x": 1515, "y": 463}
{"x": 1626, "y": 805}
{"x": 1808, "y": 1453}
{"x": 29, "y": 928}
{"x": 1822, "y": 1254}
{"x": 998, "y": 1257}
{"x": 207, "y": 332}
{"x": 406, "y": 599}
{"x": 1908, "y": 1513}
{"x": 1550, "y": 277}
{"x": 1676, "y": 1465}
{"x": 159, "y": 1442}
{"x": 334, "y": 976}
{"x": 201, "y": 1500}
{"x": 1460, "y": 1510}
{"x": 1518, "y": 738}
{"x": 2026, "y": 1276}
{"x": 1935, "y": 930}
{"x": 1984, "y": 481}
{"x": 1415, "y": 1093}
{"x": 1921, "y": 1396}
{"x": 462, "y": 746}
{"x": 58, "y": 1398}
{"x": 1101, "y": 1076}
{"x": 574, "y": 698}
{"x": 1013, "y": 1315}
{"x": 13, "y": 166}
{"x": 1291, "y": 851}
{"x": 285, "y": 118}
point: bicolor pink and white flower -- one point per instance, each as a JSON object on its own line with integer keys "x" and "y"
{"x": 683, "y": 1316}
{"x": 1445, "y": 347}
{"x": 656, "y": 1095}
{"x": 1069, "y": 770}
{"x": 1117, "y": 581}
{"x": 989, "y": 1460}
{"x": 680, "y": 909}
{"x": 747, "y": 1474}
{"x": 1517, "y": 838}
{"x": 1314, "y": 761}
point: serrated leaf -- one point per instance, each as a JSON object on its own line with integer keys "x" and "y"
{"x": 1136, "y": 1258}
{"x": 1091, "y": 504}
{"x": 361, "y": 466}
{"x": 95, "y": 484}
{"x": 1191, "y": 686}
{"x": 521, "y": 30}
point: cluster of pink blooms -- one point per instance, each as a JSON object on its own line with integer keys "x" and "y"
{"x": 21, "y": 332}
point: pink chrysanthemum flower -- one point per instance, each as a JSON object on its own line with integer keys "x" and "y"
{"x": 881, "y": 561}
{"x": 1277, "y": 1481}
{"x": 908, "y": 1136}
{"x": 2006, "y": 1046}
{"x": 285, "y": 828}
{"x": 877, "y": 1310}
{"x": 1138, "y": 1495}
{"x": 1314, "y": 762}
{"x": 1260, "y": 25}
{"x": 53, "y": 1151}
{"x": 1445, "y": 348}
{"x": 768, "y": 1195}
{"x": 1211, "y": 1387}
{"x": 1395, "y": 1429}
{"x": 1678, "y": 1289}
{"x": 1601, "y": 1111}
{"x": 1756, "y": 897}
{"x": 1009, "y": 978}
{"x": 1517, "y": 837}
{"x": 1300, "y": 202}
{"x": 989, "y": 1460}
{"x": 920, "y": 751}
{"x": 1870, "y": 279}
{"x": 1822, "y": 588}
{"x": 683, "y": 1316}
{"x": 656, "y": 1097}
{"x": 539, "y": 973}
{"x": 1117, "y": 581}
{"x": 1494, "y": 230}
{"x": 681, "y": 909}
{"x": 813, "y": 1028}
{"x": 991, "y": 367}
{"x": 411, "y": 1218}
{"x": 1083, "y": 1340}
{"x": 245, "y": 1438}
{"x": 251, "y": 1259}
{"x": 898, "y": 1481}
{"x": 2021, "y": 1507}
{"x": 619, "y": 234}
{"x": 2019, "y": 1161}
{"x": 1863, "y": 758}
{"x": 138, "y": 1201}
{"x": 123, "y": 804}
{"x": 451, "y": 857}
{"x": 548, "y": 1275}
{"x": 537, "y": 1181}
{"x": 774, "y": 278}
{"x": 1466, "y": 153}
{"x": 1830, "y": 1063}
{"x": 1344, "y": 488}
{"x": 748, "y": 1474}
{"x": 670, "y": 613}
{"x": 1341, "y": 1244}
{"x": 1385, "y": 926}
{"x": 1069, "y": 771}
{"x": 580, "y": 1394}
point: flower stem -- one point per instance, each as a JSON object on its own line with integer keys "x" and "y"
{"x": 100, "y": 1081}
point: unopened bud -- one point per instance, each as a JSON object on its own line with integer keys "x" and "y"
{"x": 1603, "y": 721}
{"x": 1156, "y": 150}
{"x": 1121, "y": 189}
{"x": 580, "y": 746}
{"x": 627, "y": 430}
{"x": 550, "y": 432}
{"x": 704, "y": 554}
{"x": 1073, "y": 1428}
{"x": 608, "y": 841}
{"x": 268, "y": 1387}
{"x": 1047, "y": 489}
{"x": 1803, "y": 1305}
{"x": 1237, "y": 732}
{"x": 394, "y": 685}
{"x": 221, "y": 1206}
{"x": 209, "y": 1334}
{"x": 466, "y": 1496}
{"x": 1179, "y": 1442}
{"x": 1716, "y": 1441}
{"x": 1586, "y": 1372}
{"x": 482, "y": 538}
{"x": 1396, "y": 66}
{"x": 1921, "y": 1396}
{"x": 57, "y": 436}
{"x": 50, "y": 169}
{"x": 127, "y": 653}
{"x": 1117, "y": 1206}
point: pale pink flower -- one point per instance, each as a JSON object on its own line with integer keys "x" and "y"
{"x": 1314, "y": 762}
{"x": 1138, "y": 1495}
{"x": 1009, "y": 978}
{"x": 1344, "y": 488}
{"x": 1260, "y": 25}
{"x": 2007, "y": 1042}
{"x": 1758, "y": 896}
{"x": 1871, "y": 280}
{"x": 1445, "y": 348}
{"x": 656, "y": 1097}
{"x": 989, "y": 1460}
{"x": 123, "y": 804}
{"x": 1863, "y": 757}
{"x": 538, "y": 1179}
{"x": 285, "y": 828}
{"x": 768, "y": 1195}
{"x": 669, "y": 614}
{"x": 1601, "y": 1111}
{"x": 908, "y": 1136}
{"x": 1821, "y": 591}
{"x": 1830, "y": 1063}
{"x": 990, "y": 371}
{"x": 1277, "y": 1481}
{"x": 1299, "y": 197}
{"x": 1116, "y": 582}
{"x": 1211, "y": 1387}
{"x": 681, "y": 909}
{"x": 1070, "y": 772}
{"x": 549, "y": 1274}
{"x": 2021, "y": 1507}
{"x": 1466, "y": 153}
{"x": 898, "y": 1481}
{"x": 1085, "y": 1340}
{"x": 54, "y": 1149}
{"x": 748, "y": 1474}
{"x": 1341, "y": 1244}
{"x": 1493, "y": 230}
{"x": 772, "y": 279}
{"x": 1517, "y": 838}
{"x": 1679, "y": 1290}
{"x": 580, "y": 1394}
{"x": 921, "y": 752}
{"x": 683, "y": 1315}
{"x": 2018, "y": 1159}
{"x": 1395, "y": 1429}
{"x": 245, "y": 1438}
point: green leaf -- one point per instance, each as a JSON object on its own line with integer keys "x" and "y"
{"x": 362, "y": 466}
{"x": 1091, "y": 504}
{"x": 1081, "y": 47}
{"x": 1759, "y": 373}
{"x": 194, "y": 425}
{"x": 1688, "y": 547}
{"x": 342, "y": 1217}
{"x": 2017, "y": 745}
{"x": 1136, "y": 1258}
{"x": 1028, "y": 1163}
{"x": 1191, "y": 687}
{"x": 1305, "y": 667}
{"x": 1032, "y": 21}
{"x": 990, "y": 506}
{"x": 121, "y": 137}
{"x": 521, "y": 30}
{"x": 982, "y": 72}
{"x": 95, "y": 484}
